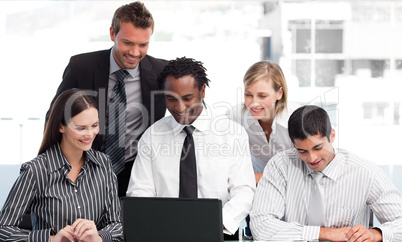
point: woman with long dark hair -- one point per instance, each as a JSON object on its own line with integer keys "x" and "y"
{"x": 69, "y": 188}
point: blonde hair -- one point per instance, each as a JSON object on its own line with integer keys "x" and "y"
{"x": 268, "y": 70}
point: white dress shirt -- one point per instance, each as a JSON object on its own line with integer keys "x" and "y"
{"x": 351, "y": 186}
{"x": 261, "y": 149}
{"x": 224, "y": 168}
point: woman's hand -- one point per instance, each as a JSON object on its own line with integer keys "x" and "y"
{"x": 64, "y": 235}
{"x": 86, "y": 231}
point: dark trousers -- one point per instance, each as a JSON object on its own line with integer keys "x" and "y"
{"x": 247, "y": 232}
{"x": 123, "y": 178}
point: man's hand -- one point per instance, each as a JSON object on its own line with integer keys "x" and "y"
{"x": 356, "y": 234}
{"x": 360, "y": 233}
{"x": 333, "y": 234}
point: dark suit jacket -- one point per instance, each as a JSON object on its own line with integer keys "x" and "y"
{"x": 90, "y": 71}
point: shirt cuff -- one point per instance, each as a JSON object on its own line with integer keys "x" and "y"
{"x": 230, "y": 226}
{"x": 387, "y": 234}
{"x": 39, "y": 235}
{"x": 311, "y": 233}
{"x": 105, "y": 235}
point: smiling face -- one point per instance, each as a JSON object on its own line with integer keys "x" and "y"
{"x": 130, "y": 44}
{"x": 183, "y": 98}
{"x": 316, "y": 151}
{"x": 260, "y": 99}
{"x": 78, "y": 135}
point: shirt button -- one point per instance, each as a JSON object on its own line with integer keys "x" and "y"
{"x": 79, "y": 207}
{"x": 75, "y": 190}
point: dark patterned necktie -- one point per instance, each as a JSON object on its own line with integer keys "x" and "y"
{"x": 188, "y": 167}
{"x": 116, "y": 136}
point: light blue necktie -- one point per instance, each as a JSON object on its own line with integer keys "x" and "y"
{"x": 316, "y": 212}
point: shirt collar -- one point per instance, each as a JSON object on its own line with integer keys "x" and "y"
{"x": 58, "y": 160}
{"x": 333, "y": 168}
{"x": 282, "y": 118}
{"x": 201, "y": 124}
{"x": 114, "y": 67}
{"x": 90, "y": 156}
{"x": 279, "y": 119}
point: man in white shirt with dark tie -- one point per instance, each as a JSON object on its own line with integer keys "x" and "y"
{"x": 223, "y": 166}
{"x": 314, "y": 192}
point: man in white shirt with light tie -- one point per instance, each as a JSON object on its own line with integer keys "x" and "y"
{"x": 223, "y": 162}
{"x": 350, "y": 186}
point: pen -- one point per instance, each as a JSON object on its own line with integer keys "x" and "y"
{"x": 353, "y": 220}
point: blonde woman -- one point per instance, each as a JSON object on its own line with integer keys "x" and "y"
{"x": 265, "y": 113}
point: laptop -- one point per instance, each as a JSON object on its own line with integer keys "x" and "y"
{"x": 155, "y": 219}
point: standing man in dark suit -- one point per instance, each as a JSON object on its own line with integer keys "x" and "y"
{"x": 132, "y": 27}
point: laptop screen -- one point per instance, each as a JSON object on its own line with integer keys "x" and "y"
{"x": 172, "y": 219}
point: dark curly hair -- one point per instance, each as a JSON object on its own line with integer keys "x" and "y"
{"x": 184, "y": 67}
{"x": 135, "y": 13}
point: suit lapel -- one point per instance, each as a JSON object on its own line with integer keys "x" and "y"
{"x": 147, "y": 84}
{"x": 101, "y": 82}
{"x": 101, "y": 73}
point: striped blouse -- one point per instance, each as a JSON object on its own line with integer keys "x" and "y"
{"x": 55, "y": 201}
{"x": 351, "y": 186}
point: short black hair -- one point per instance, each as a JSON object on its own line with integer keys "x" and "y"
{"x": 307, "y": 121}
{"x": 181, "y": 67}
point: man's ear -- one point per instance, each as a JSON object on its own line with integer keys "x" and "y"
{"x": 112, "y": 34}
{"x": 202, "y": 91}
{"x": 332, "y": 136}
